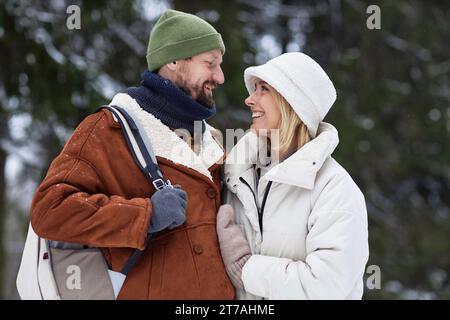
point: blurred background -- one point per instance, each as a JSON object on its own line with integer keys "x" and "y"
{"x": 392, "y": 110}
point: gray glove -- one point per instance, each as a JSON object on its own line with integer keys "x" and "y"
{"x": 169, "y": 209}
{"x": 234, "y": 247}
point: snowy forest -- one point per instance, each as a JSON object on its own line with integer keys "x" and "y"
{"x": 392, "y": 109}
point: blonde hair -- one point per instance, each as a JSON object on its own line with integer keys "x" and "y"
{"x": 293, "y": 133}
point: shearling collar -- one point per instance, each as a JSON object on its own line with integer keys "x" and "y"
{"x": 167, "y": 144}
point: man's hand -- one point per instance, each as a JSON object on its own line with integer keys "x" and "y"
{"x": 169, "y": 208}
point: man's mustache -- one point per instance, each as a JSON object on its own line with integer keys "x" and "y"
{"x": 212, "y": 84}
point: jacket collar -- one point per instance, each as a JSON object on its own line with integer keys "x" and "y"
{"x": 167, "y": 144}
{"x": 301, "y": 168}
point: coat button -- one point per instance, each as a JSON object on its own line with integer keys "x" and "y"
{"x": 198, "y": 249}
{"x": 211, "y": 193}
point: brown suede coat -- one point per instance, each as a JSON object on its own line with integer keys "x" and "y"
{"x": 95, "y": 194}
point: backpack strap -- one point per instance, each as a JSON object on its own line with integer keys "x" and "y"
{"x": 141, "y": 149}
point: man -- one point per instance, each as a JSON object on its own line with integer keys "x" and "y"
{"x": 94, "y": 193}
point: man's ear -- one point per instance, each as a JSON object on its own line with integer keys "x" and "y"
{"x": 172, "y": 66}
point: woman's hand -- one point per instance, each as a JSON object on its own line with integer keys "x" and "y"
{"x": 233, "y": 245}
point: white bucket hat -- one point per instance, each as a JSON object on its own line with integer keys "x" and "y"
{"x": 301, "y": 81}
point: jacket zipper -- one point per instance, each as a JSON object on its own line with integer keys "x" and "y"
{"x": 260, "y": 212}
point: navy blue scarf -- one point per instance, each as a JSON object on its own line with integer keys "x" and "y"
{"x": 170, "y": 104}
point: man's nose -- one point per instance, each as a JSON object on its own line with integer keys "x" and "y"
{"x": 218, "y": 76}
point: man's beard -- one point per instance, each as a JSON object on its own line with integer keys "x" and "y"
{"x": 204, "y": 98}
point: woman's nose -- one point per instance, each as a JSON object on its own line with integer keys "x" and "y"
{"x": 249, "y": 102}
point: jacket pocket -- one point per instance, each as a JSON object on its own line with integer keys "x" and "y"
{"x": 157, "y": 269}
{"x": 213, "y": 280}
{"x": 174, "y": 273}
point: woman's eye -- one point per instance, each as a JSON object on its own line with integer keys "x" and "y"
{"x": 264, "y": 88}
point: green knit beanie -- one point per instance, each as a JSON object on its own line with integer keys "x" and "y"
{"x": 178, "y": 35}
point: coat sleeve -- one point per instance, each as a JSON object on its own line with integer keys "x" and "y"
{"x": 336, "y": 252}
{"x": 71, "y": 206}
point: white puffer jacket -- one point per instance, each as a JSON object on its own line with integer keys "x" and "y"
{"x": 314, "y": 243}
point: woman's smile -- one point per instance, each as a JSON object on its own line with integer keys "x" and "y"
{"x": 257, "y": 115}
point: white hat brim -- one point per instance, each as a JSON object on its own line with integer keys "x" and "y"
{"x": 294, "y": 95}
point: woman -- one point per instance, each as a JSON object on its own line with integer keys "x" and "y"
{"x": 299, "y": 226}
